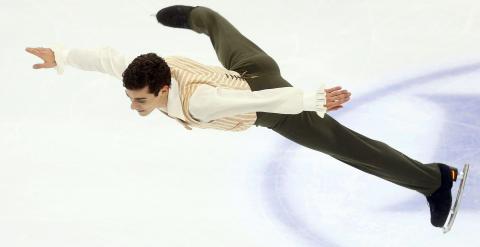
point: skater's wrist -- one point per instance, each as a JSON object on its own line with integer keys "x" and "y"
{"x": 60, "y": 54}
{"x": 315, "y": 101}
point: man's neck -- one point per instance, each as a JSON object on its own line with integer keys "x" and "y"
{"x": 164, "y": 103}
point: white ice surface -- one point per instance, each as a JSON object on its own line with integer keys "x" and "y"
{"x": 79, "y": 168}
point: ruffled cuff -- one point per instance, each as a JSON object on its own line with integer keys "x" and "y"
{"x": 60, "y": 57}
{"x": 315, "y": 101}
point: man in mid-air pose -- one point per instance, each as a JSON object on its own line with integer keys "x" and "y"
{"x": 251, "y": 91}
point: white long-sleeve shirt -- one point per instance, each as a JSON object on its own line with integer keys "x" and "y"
{"x": 207, "y": 103}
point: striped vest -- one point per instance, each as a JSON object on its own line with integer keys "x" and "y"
{"x": 190, "y": 74}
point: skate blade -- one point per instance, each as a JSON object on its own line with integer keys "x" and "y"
{"x": 453, "y": 212}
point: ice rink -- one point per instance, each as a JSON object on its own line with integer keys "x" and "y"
{"x": 78, "y": 167}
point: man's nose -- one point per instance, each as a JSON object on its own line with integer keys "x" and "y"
{"x": 132, "y": 105}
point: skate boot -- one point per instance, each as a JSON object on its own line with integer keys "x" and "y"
{"x": 440, "y": 201}
{"x": 175, "y": 16}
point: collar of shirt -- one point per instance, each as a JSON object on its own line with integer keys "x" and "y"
{"x": 174, "y": 105}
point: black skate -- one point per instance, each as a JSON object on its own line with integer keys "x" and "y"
{"x": 175, "y": 16}
{"x": 440, "y": 201}
{"x": 453, "y": 212}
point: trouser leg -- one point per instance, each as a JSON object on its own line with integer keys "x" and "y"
{"x": 233, "y": 49}
{"x": 371, "y": 156}
{"x": 326, "y": 135}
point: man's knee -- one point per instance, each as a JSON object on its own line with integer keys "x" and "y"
{"x": 259, "y": 64}
{"x": 201, "y": 17}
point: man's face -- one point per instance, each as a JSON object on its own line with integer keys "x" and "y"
{"x": 143, "y": 101}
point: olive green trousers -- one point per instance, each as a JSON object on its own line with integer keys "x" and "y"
{"x": 326, "y": 135}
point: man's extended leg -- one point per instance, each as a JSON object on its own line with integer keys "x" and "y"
{"x": 374, "y": 157}
{"x": 233, "y": 50}
{"x": 238, "y": 53}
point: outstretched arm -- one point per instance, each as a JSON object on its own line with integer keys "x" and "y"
{"x": 104, "y": 60}
{"x": 210, "y": 103}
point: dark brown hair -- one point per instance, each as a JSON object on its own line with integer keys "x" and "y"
{"x": 147, "y": 70}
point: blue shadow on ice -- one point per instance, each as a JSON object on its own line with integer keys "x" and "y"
{"x": 459, "y": 142}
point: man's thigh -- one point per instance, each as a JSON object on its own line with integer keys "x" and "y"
{"x": 230, "y": 45}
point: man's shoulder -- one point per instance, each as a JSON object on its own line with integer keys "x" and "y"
{"x": 190, "y": 65}
{"x": 180, "y": 59}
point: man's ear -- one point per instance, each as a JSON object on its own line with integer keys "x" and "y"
{"x": 164, "y": 89}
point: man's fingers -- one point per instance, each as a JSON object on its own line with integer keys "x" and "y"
{"x": 338, "y": 92}
{"x": 338, "y": 95}
{"x": 39, "y": 66}
{"x": 37, "y": 52}
{"x": 329, "y": 90}
{"x": 335, "y": 108}
{"x": 336, "y": 102}
{"x": 335, "y": 97}
{"x": 32, "y": 51}
{"x": 338, "y": 98}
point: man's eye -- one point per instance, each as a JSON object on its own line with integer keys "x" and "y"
{"x": 141, "y": 102}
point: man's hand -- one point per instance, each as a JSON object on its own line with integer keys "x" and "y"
{"x": 46, "y": 54}
{"x": 335, "y": 98}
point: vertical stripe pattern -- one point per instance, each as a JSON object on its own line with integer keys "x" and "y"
{"x": 190, "y": 74}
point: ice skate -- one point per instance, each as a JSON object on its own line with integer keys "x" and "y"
{"x": 454, "y": 210}
{"x": 175, "y": 16}
{"x": 440, "y": 202}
